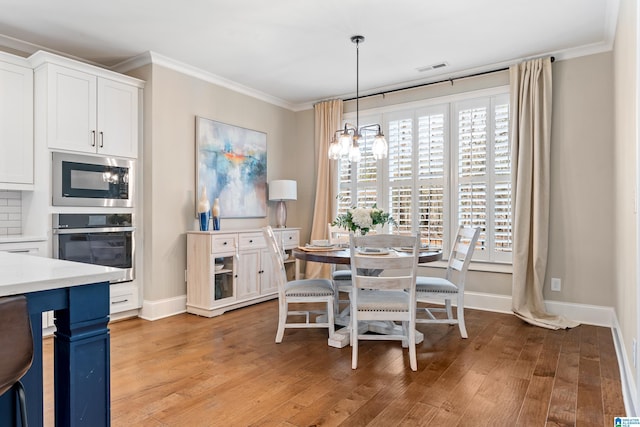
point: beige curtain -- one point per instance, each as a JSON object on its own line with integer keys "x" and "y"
{"x": 328, "y": 118}
{"x": 531, "y": 142}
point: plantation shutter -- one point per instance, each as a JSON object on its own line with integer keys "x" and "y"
{"x": 400, "y": 140}
{"x": 431, "y": 171}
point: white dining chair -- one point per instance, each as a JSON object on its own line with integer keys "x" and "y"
{"x": 299, "y": 291}
{"x": 389, "y": 296}
{"x": 436, "y": 289}
{"x": 341, "y": 275}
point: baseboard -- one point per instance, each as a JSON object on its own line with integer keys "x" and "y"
{"x": 154, "y": 310}
{"x": 629, "y": 393}
{"x": 583, "y": 313}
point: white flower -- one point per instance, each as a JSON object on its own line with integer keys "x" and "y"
{"x": 362, "y": 217}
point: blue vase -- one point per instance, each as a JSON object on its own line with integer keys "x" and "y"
{"x": 204, "y": 221}
{"x": 216, "y": 223}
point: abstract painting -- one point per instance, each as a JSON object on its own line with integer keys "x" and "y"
{"x": 232, "y": 165}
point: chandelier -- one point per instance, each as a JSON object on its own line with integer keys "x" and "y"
{"x": 347, "y": 141}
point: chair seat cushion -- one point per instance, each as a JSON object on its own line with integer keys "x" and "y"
{"x": 383, "y": 301}
{"x": 435, "y": 284}
{"x": 342, "y": 275}
{"x": 309, "y": 287}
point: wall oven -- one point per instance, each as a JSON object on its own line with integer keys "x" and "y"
{"x": 104, "y": 239}
{"x": 80, "y": 180}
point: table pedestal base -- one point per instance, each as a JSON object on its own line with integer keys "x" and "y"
{"x": 341, "y": 337}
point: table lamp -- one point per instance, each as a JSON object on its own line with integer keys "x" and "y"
{"x": 281, "y": 190}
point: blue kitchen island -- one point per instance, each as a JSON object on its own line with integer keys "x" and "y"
{"x": 79, "y": 295}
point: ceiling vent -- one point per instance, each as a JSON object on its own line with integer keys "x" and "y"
{"x": 432, "y": 67}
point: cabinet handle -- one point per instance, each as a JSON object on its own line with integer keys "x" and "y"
{"x": 250, "y": 240}
{"x": 93, "y": 138}
{"x": 101, "y": 139}
{"x": 224, "y": 244}
{"x": 119, "y": 302}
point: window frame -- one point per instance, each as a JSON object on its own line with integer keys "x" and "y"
{"x": 450, "y": 105}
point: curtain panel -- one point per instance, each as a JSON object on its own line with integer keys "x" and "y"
{"x": 328, "y": 118}
{"x": 531, "y": 102}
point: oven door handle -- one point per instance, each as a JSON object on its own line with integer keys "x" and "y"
{"x": 92, "y": 230}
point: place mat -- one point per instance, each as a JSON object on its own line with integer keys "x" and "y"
{"x": 319, "y": 249}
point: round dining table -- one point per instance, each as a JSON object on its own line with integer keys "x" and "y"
{"x": 340, "y": 337}
{"x": 343, "y": 256}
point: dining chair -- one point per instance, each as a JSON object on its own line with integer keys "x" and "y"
{"x": 16, "y": 348}
{"x": 298, "y": 291}
{"x": 341, "y": 276}
{"x": 434, "y": 289}
{"x": 384, "y": 285}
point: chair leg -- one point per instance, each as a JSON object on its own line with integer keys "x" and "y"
{"x": 354, "y": 343}
{"x": 461, "y": 325}
{"x": 413, "y": 358}
{"x": 282, "y": 319}
{"x": 22, "y": 401}
{"x": 331, "y": 317}
{"x": 447, "y": 304}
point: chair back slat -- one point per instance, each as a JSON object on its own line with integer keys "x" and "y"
{"x": 277, "y": 260}
{"x": 337, "y": 235}
{"x": 462, "y": 250}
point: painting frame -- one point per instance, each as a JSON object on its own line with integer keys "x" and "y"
{"x": 231, "y": 163}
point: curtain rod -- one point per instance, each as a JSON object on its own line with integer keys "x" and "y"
{"x": 433, "y": 83}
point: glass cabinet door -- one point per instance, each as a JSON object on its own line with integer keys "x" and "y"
{"x": 223, "y": 278}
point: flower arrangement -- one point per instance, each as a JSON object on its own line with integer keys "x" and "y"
{"x": 363, "y": 219}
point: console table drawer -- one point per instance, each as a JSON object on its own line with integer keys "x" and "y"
{"x": 252, "y": 240}
{"x": 290, "y": 238}
{"x": 223, "y": 243}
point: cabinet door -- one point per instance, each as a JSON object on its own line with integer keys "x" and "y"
{"x": 117, "y": 119}
{"x": 16, "y": 126}
{"x": 71, "y": 109}
{"x": 268, "y": 284}
{"x": 248, "y": 283}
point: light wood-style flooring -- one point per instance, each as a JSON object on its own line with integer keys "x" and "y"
{"x": 227, "y": 371}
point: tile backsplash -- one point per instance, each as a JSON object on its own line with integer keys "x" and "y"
{"x": 10, "y": 213}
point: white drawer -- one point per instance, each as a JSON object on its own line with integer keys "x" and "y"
{"x": 223, "y": 243}
{"x": 252, "y": 240}
{"x": 290, "y": 238}
{"x": 122, "y": 298}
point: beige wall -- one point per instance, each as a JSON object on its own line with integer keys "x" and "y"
{"x": 582, "y": 168}
{"x": 625, "y": 175}
{"x": 172, "y": 102}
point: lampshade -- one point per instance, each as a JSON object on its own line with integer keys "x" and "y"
{"x": 283, "y": 189}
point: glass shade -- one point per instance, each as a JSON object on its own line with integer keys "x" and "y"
{"x": 345, "y": 141}
{"x": 334, "y": 150}
{"x": 354, "y": 153}
{"x": 380, "y": 147}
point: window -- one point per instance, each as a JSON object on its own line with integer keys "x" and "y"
{"x": 449, "y": 164}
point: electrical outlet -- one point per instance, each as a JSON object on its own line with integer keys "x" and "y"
{"x": 634, "y": 352}
{"x": 555, "y": 284}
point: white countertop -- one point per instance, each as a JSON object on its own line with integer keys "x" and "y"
{"x": 20, "y": 273}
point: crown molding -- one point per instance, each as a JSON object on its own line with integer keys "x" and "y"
{"x": 154, "y": 58}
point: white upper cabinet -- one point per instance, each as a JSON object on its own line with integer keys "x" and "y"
{"x": 16, "y": 124}
{"x": 87, "y": 110}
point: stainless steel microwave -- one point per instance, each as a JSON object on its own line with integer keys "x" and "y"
{"x": 80, "y": 180}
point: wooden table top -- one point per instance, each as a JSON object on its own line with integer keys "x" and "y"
{"x": 343, "y": 256}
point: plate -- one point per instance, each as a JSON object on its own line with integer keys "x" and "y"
{"x": 318, "y": 246}
{"x": 373, "y": 251}
{"x": 219, "y": 267}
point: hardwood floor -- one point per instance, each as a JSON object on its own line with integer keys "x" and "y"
{"x": 227, "y": 371}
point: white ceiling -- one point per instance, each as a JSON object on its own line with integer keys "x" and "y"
{"x": 298, "y": 51}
